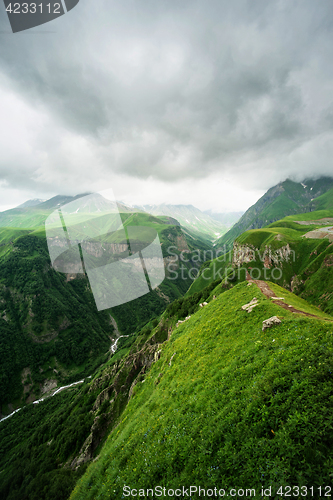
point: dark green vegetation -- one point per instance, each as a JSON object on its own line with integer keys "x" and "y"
{"x": 37, "y": 440}
{"x": 209, "y": 400}
{"x": 50, "y": 329}
{"x": 49, "y": 326}
{"x": 226, "y": 404}
{"x": 64, "y": 432}
{"x": 286, "y": 198}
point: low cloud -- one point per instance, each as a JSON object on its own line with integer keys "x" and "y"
{"x": 168, "y": 93}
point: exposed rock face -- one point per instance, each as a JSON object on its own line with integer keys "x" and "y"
{"x": 268, "y": 323}
{"x": 243, "y": 254}
{"x": 181, "y": 244}
{"x": 117, "y": 386}
{"x": 48, "y": 386}
{"x": 296, "y": 282}
{"x": 182, "y": 320}
{"x": 251, "y": 305}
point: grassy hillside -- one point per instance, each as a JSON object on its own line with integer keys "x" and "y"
{"x": 212, "y": 271}
{"x": 226, "y": 405}
{"x": 49, "y": 323}
{"x": 286, "y": 198}
{"x": 323, "y": 202}
{"x": 308, "y": 269}
{"x": 56, "y": 438}
{"x": 281, "y": 252}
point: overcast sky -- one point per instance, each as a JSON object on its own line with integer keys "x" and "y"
{"x": 205, "y": 102}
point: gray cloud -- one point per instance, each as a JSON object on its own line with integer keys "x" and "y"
{"x": 171, "y": 91}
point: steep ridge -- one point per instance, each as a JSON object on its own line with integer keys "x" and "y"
{"x": 178, "y": 402}
{"x": 178, "y": 397}
{"x": 225, "y": 404}
{"x": 60, "y": 435}
{"x": 295, "y": 252}
{"x": 267, "y": 290}
{"x": 51, "y": 331}
{"x": 282, "y": 200}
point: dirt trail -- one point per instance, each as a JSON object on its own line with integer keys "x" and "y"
{"x": 268, "y": 292}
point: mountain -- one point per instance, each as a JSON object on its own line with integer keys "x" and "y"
{"x": 190, "y": 218}
{"x": 31, "y": 203}
{"x": 228, "y": 219}
{"x": 172, "y": 405}
{"x": 220, "y": 405}
{"x": 32, "y": 216}
{"x": 323, "y": 202}
{"x": 173, "y": 408}
{"x": 295, "y": 252}
{"x": 197, "y": 393}
{"x": 286, "y": 198}
{"x": 49, "y": 323}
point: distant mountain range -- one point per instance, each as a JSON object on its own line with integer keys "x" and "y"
{"x": 189, "y": 217}
{"x": 286, "y": 198}
{"x": 31, "y": 203}
{"x": 228, "y": 219}
{"x": 211, "y": 376}
{"x": 207, "y": 223}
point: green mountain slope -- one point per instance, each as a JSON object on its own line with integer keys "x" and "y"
{"x": 50, "y": 329}
{"x": 59, "y": 435}
{"x": 31, "y": 216}
{"x": 49, "y": 323}
{"x": 286, "y": 198}
{"x": 226, "y": 405}
{"x": 198, "y": 408}
{"x": 323, "y": 202}
{"x": 295, "y": 252}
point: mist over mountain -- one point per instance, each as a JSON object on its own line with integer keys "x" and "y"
{"x": 162, "y": 385}
{"x": 190, "y": 217}
{"x": 180, "y": 331}
{"x": 31, "y": 203}
{"x": 227, "y": 218}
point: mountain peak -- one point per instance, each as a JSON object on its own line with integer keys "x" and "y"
{"x": 286, "y": 198}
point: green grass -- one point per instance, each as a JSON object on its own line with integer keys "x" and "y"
{"x": 24, "y": 218}
{"x": 317, "y": 215}
{"x": 216, "y": 269}
{"x": 298, "y": 303}
{"x": 237, "y": 407}
{"x": 325, "y": 201}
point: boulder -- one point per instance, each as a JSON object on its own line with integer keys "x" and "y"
{"x": 251, "y": 305}
{"x": 268, "y": 323}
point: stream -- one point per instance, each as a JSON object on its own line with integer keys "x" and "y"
{"x": 113, "y": 349}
